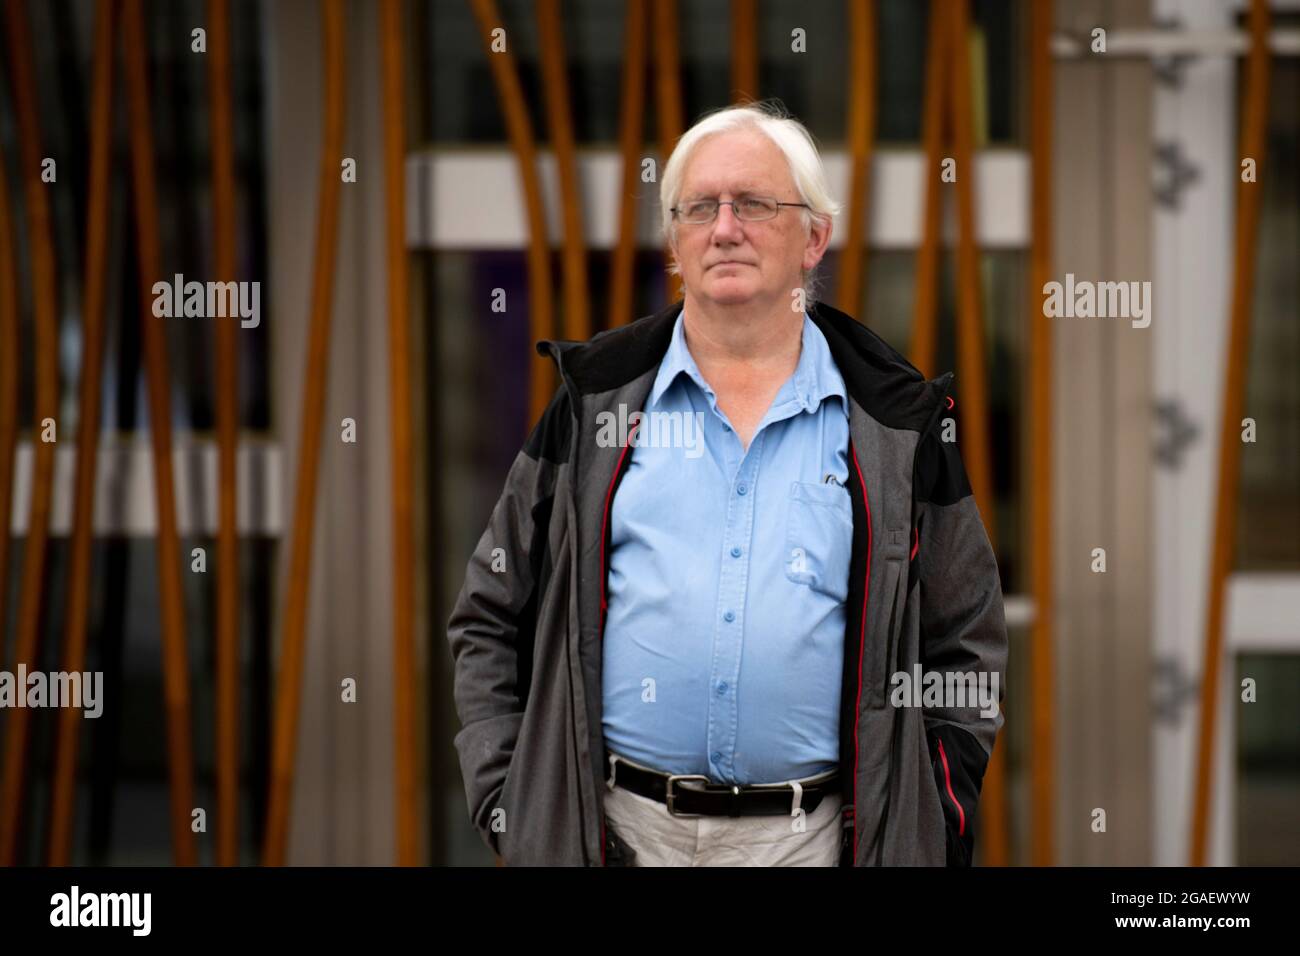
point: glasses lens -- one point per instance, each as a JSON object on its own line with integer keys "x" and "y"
{"x": 756, "y": 208}
{"x": 700, "y": 211}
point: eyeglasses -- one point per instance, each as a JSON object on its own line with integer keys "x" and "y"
{"x": 746, "y": 208}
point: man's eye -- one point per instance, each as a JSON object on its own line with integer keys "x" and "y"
{"x": 698, "y": 208}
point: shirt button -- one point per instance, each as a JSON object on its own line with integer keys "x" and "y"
{"x": 741, "y": 488}
{"x": 722, "y": 688}
{"x": 735, "y": 552}
{"x": 729, "y": 616}
{"x": 716, "y": 757}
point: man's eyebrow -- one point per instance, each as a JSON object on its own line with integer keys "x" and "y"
{"x": 712, "y": 194}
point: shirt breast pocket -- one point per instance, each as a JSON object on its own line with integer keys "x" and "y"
{"x": 819, "y": 538}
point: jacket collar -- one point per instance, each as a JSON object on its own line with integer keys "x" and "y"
{"x": 877, "y": 377}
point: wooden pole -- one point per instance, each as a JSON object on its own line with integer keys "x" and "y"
{"x": 63, "y": 802}
{"x": 622, "y": 283}
{"x": 175, "y": 655}
{"x": 970, "y": 321}
{"x": 576, "y": 321}
{"x": 406, "y": 755}
{"x": 542, "y": 381}
{"x": 1253, "y": 145}
{"x": 288, "y": 696}
{"x": 668, "y": 97}
{"x": 924, "y": 317}
{"x": 744, "y": 50}
{"x": 8, "y": 386}
{"x": 227, "y": 420}
{"x": 971, "y": 359}
{"x": 46, "y": 323}
{"x": 862, "y": 121}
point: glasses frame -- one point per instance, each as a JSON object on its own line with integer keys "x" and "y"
{"x": 719, "y": 203}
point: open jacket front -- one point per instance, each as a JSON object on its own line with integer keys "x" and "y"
{"x": 526, "y": 629}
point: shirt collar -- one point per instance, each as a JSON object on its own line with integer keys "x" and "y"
{"x": 815, "y": 377}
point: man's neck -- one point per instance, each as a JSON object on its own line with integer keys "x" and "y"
{"x": 741, "y": 342}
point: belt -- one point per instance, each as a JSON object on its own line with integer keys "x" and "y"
{"x": 693, "y": 795}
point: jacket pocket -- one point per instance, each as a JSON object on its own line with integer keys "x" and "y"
{"x": 819, "y": 538}
{"x": 618, "y": 852}
{"x": 486, "y": 750}
{"x": 499, "y": 824}
{"x": 957, "y": 802}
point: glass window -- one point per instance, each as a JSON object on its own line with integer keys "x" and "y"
{"x": 1268, "y": 529}
{"x": 463, "y": 106}
{"x": 1268, "y": 761}
{"x": 888, "y": 310}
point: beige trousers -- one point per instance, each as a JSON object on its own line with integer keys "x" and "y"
{"x": 660, "y": 839}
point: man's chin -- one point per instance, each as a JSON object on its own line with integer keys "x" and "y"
{"x": 730, "y": 292}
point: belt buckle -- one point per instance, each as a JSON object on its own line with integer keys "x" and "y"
{"x": 668, "y": 792}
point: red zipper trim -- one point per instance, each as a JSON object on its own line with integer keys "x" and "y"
{"x": 947, "y": 779}
{"x": 862, "y": 641}
{"x": 604, "y": 578}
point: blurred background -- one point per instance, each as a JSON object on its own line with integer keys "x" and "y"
{"x": 512, "y": 177}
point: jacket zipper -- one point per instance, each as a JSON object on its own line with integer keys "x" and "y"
{"x": 862, "y": 639}
{"x": 604, "y": 582}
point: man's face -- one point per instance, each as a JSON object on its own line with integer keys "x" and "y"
{"x": 730, "y": 261}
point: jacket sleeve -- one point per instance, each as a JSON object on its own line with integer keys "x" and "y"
{"x": 492, "y": 622}
{"x": 963, "y": 631}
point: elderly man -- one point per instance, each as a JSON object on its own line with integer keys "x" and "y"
{"x": 682, "y": 645}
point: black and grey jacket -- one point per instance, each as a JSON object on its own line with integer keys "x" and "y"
{"x": 526, "y": 628}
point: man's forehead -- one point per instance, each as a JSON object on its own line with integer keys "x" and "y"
{"x": 706, "y": 182}
{"x": 717, "y": 184}
{"x": 737, "y": 167}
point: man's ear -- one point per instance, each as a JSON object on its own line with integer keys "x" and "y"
{"x": 819, "y": 238}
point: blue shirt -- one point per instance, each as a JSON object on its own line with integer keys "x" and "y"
{"x": 723, "y": 647}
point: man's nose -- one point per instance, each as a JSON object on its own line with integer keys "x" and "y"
{"x": 727, "y": 225}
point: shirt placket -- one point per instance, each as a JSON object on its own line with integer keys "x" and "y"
{"x": 733, "y": 586}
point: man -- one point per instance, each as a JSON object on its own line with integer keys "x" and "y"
{"x": 735, "y": 522}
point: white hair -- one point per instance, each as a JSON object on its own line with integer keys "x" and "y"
{"x": 790, "y": 136}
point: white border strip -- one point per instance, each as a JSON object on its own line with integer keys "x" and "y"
{"x": 470, "y": 199}
{"x": 1264, "y": 613}
{"x": 124, "y": 492}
